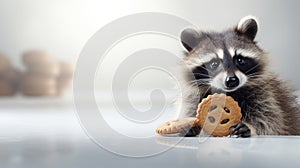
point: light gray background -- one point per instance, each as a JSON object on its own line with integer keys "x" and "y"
{"x": 64, "y": 26}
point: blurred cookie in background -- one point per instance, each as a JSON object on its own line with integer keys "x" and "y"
{"x": 66, "y": 69}
{"x": 37, "y": 85}
{"x": 4, "y": 62}
{"x": 63, "y": 85}
{"x": 45, "y": 76}
{"x": 47, "y": 69}
{"x": 7, "y": 88}
{"x": 40, "y": 75}
{"x": 64, "y": 80}
{"x": 40, "y": 62}
{"x": 9, "y": 77}
{"x": 36, "y": 57}
{"x": 11, "y": 74}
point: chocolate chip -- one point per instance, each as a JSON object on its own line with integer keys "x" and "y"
{"x": 226, "y": 110}
{"x": 224, "y": 121}
{"x": 213, "y": 107}
{"x": 211, "y": 119}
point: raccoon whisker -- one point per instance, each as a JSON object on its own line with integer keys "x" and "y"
{"x": 199, "y": 84}
{"x": 205, "y": 75}
{"x": 252, "y": 68}
{"x": 254, "y": 74}
{"x": 257, "y": 76}
{"x": 205, "y": 79}
{"x": 200, "y": 80}
{"x": 194, "y": 83}
{"x": 207, "y": 90}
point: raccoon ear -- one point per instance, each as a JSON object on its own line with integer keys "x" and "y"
{"x": 190, "y": 38}
{"x": 248, "y": 27}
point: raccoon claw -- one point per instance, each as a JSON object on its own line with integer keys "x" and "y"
{"x": 240, "y": 130}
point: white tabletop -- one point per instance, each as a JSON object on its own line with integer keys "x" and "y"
{"x": 34, "y": 133}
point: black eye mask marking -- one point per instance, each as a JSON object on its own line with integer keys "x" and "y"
{"x": 246, "y": 65}
{"x": 200, "y": 72}
{"x": 207, "y": 70}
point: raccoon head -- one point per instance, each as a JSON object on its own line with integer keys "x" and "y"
{"x": 224, "y": 60}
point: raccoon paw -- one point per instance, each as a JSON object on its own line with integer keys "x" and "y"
{"x": 240, "y": 130}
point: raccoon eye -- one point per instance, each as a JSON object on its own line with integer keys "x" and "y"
{"x": 246, "y": 65}
{"x": 213, "y": 64}
{"x": 241, "y": 60}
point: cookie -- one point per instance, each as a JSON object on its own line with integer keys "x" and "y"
{"x": 11, "y": 74}
{"x": 7, "y": 88}
{"x": 30, "y": 79}
{"x": 39, "y": 91}
{"x": 50, "y": 69}
{"x": 33, "y": 85}
{"x": 63, "y": 84}
{"x": 175, "y": 126}
{"x": 36, "y": 57}
{"x": 66, "y": 69}
{"x": 4, "y": 63}
{"x": 217, "y": 113}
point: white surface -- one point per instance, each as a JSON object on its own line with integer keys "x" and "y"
{"x": 44, "y": 135}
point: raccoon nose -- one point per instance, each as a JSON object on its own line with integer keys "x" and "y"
{"x": 232, "y": 81}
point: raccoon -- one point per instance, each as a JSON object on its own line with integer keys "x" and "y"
{"x": 231, "y": 62}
